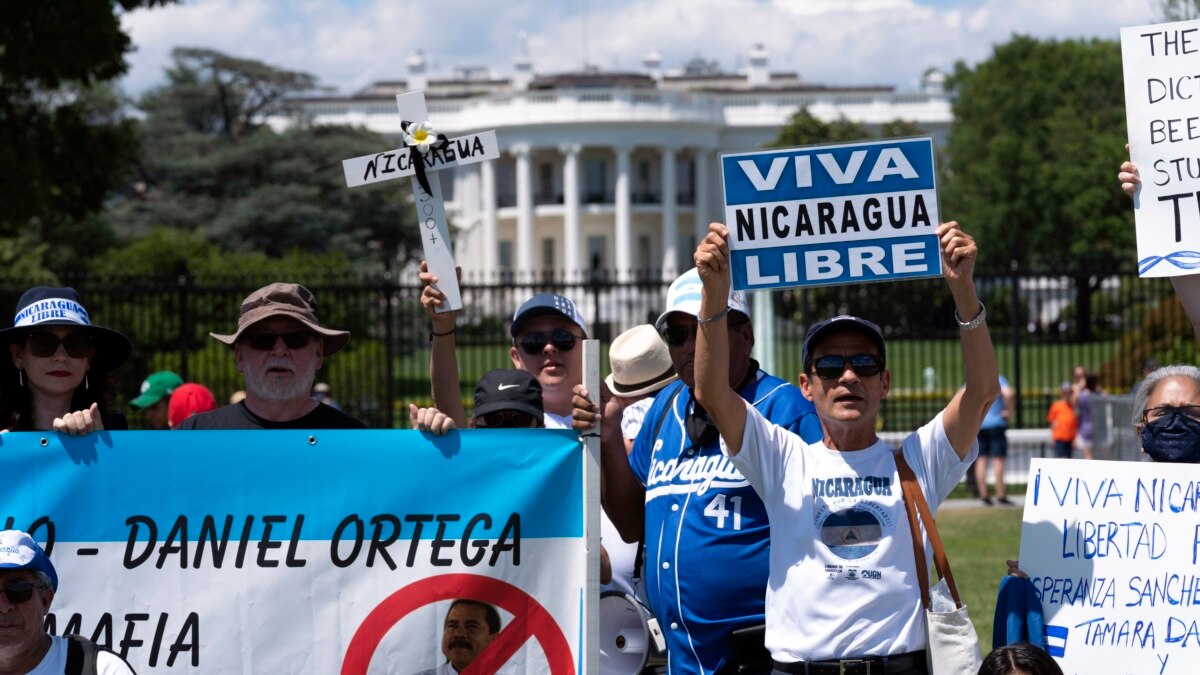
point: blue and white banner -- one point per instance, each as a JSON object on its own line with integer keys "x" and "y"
{"x": 307, "y": 551}
{"x": 1112, "y": 549}
{"x": 832, "y": 214}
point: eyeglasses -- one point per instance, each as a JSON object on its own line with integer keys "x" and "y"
{"x": 831, "y": 366}
{"x": 676, "y": 336}
{"x": 44, "y": 345}
{"x": 20, "y": 591}
{"x": 1163, "y": 411}
{"x": 506, "y": 419}
{"x": 562, "y": 339}
{"x": 265, "y": 342}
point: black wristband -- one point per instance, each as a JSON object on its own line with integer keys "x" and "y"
{"x": 433, "y": 333}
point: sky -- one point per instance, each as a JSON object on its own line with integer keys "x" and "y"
{"x": 348, "y": 44}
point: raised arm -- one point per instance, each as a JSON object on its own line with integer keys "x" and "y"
{"x": 966, "y": 410}
{"x": 443, "y": 359}
{"x": 724, "y": 406}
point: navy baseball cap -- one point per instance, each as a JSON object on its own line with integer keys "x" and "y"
{"x": 842, "y": 322}
{"x": 507, "y": 389}
{"x": 547, "y": 303}
{"x": 18, "y": 551}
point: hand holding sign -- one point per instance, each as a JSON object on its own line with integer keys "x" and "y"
{"x": 712, "y": 261}
{"x": 958, "y": 254}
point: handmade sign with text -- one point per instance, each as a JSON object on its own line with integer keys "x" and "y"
{"x": 1112, "y": 549}
{"x": 425, "y": 153}
{"x": 1162, "y": 108}
{"x": 832, "y": 214}
{"x": 308, "y": 551}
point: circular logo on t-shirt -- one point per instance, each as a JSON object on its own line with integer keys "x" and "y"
{"x": 855, "y": 532}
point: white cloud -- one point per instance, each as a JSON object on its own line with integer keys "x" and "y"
{"x": 349, "y": 44}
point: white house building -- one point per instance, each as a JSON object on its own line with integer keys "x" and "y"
{"x": 608, "y": 170}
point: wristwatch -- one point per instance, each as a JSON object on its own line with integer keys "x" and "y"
{"x": 968, "y": 326}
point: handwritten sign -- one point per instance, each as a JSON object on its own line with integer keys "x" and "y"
{"x": 194, "y": 552}
{"x": 1113, "y": 551}
{"x": 426, "y": 187}
{"x": 832, "y": 214}
{"x": 1162, "y": 108}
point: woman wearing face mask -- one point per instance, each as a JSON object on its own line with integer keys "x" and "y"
{"x": 55, "y": 376}
{"x": 1167, "y": 414}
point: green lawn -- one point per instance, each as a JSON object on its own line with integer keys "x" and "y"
{"x": 978, "y": 541}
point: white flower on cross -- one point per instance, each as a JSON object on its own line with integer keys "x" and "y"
{"x": 421, "y": 136}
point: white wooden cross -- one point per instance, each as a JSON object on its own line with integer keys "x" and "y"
{"x": 436, "y": 153}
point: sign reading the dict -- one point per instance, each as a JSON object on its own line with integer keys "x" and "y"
{"x": 1162, "y": 109}
{"x": 1112, "y": 550}
{"x": 832, "y": 214}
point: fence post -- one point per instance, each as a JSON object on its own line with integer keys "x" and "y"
{"x": 185, "y": 325}
{"x": 389, "y": 339}
{"x": 1017, "y": 326}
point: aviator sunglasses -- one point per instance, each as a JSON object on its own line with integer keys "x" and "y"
{"x": 507, "y": 419}
{"x": 831, "y": 366}
{"x": 265, "y": 342}
{"x": 562, "y": 339}
{"x": 676, "y": 336}
{"x": 20, "y": 591}
{"x": 45, "y": 345}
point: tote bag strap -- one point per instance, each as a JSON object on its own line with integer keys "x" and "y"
{"x": 914, "y": 504}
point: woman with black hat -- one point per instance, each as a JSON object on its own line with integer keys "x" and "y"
{"x": 58, "y": 375}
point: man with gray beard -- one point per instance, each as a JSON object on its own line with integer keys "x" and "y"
{"x": 279, "y": 346}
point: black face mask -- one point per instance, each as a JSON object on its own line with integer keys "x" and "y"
{"x": 1174, "y": 438}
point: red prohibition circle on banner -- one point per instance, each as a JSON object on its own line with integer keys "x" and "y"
{"x": 530, "y": 620}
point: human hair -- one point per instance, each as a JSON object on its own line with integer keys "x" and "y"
{"x": 1142, "y": 396}
{"x": 491, "y": 615}
{"x": 42, "y": 579}
{"x": 1021, "y": 657}
{"x": 16, "y": 400}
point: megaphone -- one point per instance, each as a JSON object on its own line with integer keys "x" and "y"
{"x": 630, "y": 639}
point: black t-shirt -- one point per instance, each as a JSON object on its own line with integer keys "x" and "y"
{"x": 238, "y": 416}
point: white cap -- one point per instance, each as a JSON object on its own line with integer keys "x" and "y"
{"x": 684, "y": 296}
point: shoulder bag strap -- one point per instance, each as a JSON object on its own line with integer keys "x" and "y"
{"x": 639, "y": 557}
{"x": 914, "y": 503}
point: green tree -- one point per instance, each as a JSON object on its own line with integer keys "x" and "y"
{"x": 1179, "y": 10}
{"x": 805, "y": 129}
{"x": 63, "y": 137}
{"x": 1039, "y": 129}
{"x": 210, "y": 164}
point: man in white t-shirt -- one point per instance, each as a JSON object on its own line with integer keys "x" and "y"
{"x": 28, "y": 583}
{"x": 843, "y": 594}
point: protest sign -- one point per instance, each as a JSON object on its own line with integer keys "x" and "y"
{"x": 1162, "y": 108}
{"x": 309, "y": 551}
{"x": 426, "y": 153}
{"x": 832, "y": 214}
{"x": 1111, "y": 548}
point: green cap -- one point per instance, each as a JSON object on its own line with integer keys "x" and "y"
{"x": 155, "y": 388}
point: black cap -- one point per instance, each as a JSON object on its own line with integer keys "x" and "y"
{"x": 842, "y": 322}
{"x": 506, "y": 389}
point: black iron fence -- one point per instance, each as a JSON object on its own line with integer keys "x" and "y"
{"x": 1042, "y": 326}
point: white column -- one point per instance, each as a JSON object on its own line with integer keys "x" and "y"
{"x": 524, "y": 213}
{"x": 624, "y": 220}
{"x": 670, "y": 221}
{"x": 490, "y": 244}
{"x": 571, "y": 260}
{"x": 701, "y": 196}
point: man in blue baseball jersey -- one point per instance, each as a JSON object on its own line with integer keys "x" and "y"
{"x": 705, "y": 530}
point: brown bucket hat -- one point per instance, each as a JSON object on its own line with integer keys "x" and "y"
{"x": 292, "y": 301}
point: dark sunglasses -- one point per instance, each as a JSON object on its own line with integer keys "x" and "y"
{"x": 676, "y": 336}
{"x": 562, "y": 339}
{"x": 1157, "y": 413}
{"x": 265, "y": 342}
{"x": 506, "y": 419}
{"x": 45, "y": 345}
{"x": 20, "y": 591}
{"x": 831, "y": 366}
